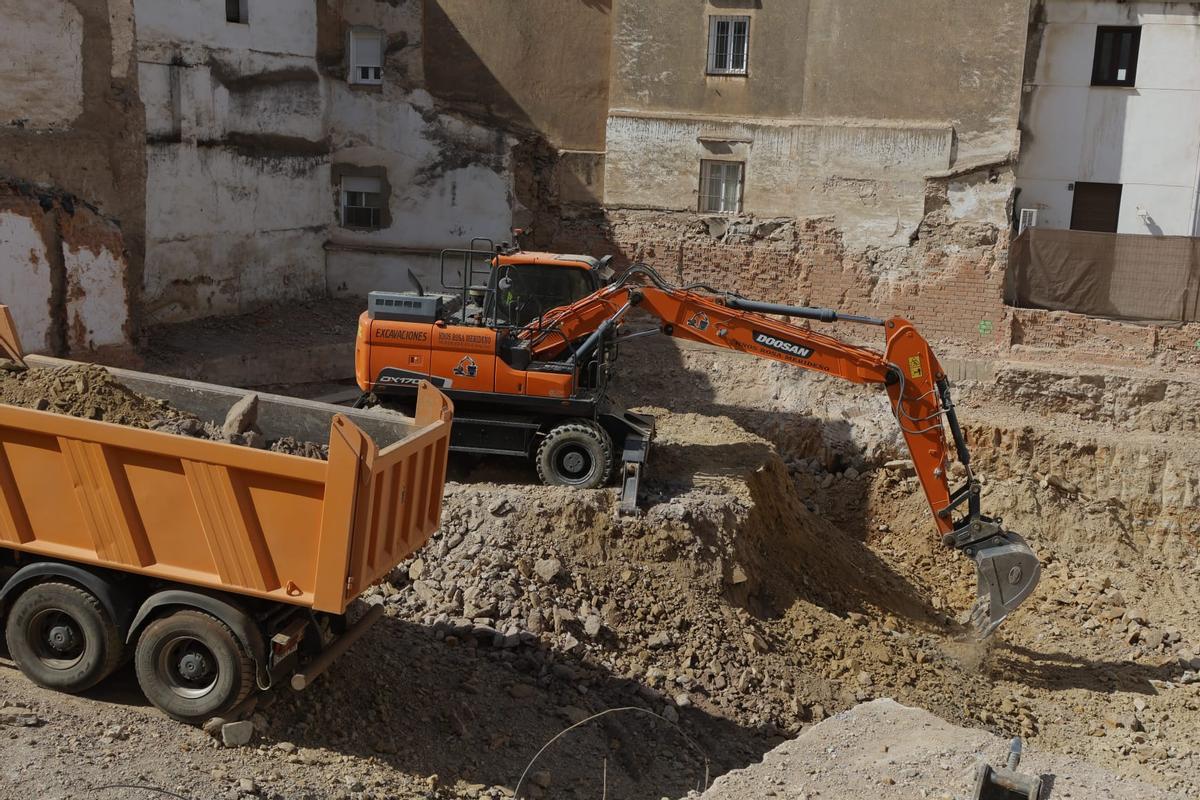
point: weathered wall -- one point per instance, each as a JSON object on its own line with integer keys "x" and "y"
{"x": 541, "y": 65}
{"x": 72, "y": 176}
{"x": 1145, "y": 137}
{"x": 237, "y": 156}
{"x": 448, "y": 176}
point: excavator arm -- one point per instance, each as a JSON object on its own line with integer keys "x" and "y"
{"x": 914, "y": 380}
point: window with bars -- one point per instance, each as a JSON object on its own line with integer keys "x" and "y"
{"x": 362, "y": 202}
{"x": 728, "y": 45}
{"x": 366, "y": 56}
{"x": 237, "y": 11}
{"x": 1116, "y": 58}
{"x": 721, "y": 187}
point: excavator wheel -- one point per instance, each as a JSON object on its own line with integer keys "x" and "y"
{"x": 578, "y": 453}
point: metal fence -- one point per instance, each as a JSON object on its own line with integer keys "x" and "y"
{"x": 1113, "y": 275}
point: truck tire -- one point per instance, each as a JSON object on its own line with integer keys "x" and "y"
{"x": 192, "y": 667}
{"x": 578, "y": 454}
{"x": 62, "y": 638}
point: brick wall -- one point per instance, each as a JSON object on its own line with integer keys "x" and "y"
{"x": 949, "y": 281}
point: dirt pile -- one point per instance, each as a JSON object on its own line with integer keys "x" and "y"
{"x": 91, "y": 392}
{"x": 87, "y": 391}
{"x": 885, "y": 749}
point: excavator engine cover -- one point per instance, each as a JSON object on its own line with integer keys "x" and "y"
{"x": 1008, "y": 571}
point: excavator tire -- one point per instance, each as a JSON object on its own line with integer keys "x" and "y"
{"x": 578, "y": 453}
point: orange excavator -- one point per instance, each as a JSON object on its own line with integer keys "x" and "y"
{"x": 526, "y": 354}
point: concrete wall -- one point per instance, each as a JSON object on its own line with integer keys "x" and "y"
{"x": 1146, "y": 137}
{"x": 72, "y": 176}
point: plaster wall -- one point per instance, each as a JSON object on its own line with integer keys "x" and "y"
{"x": 1146, "y": 137}
{"x": 41, "y": 63}
{"x": 25, "y": 285}
{"x": 237, "y": 160}
{"x": 448, "y": 176}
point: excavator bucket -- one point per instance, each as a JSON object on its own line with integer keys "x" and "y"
{"x": 1008, "y": 572}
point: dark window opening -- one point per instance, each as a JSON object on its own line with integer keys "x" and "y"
{"x": 362, "y": 205}
{"x": 1097, "y": 207}
{"x": 237, "y": 11}
{"x": 1116, "y": 56}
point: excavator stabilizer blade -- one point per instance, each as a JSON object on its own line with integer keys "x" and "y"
{"x": 1008, "y": 572}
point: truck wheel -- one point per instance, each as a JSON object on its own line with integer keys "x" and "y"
{"x": 61, "y": 637}
{"x": 575, "y": 454}
{"x": 192, "y": 667}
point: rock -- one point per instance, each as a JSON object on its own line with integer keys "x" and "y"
{"x": 756, "y": 642}
{"x": 569, "y": 643}
{"x": 353, "y": 783}
{"x": 1062, "y": 484}
{"x": 237, "y": 734}
{"x": 241, "y": 417}
{"x": 670, "y": 714}
{"x": 900, "y": 465}
{"x": 574, "y": 714}
{"x": 592, "y": 626}
{"x": 738, "y": 575}
{"x": 1135, "y": 615}
{"x": 426, "y": 592}
{"x": 682, "y": 700}
{"x": 19, "y": 717}
{"x": 864, "y": 678}
{"x": 416, "y": 569}
{"x": 500, "y": 508}
{"x": 659, "y": 640}
{"x": 521, "y": 691}
{"x": 540, "y": 778}
{"x": 535, "y": 623}
{"x": 247, "y": 786}
{"x": 213, "y": 726}
{"x": 287, "y": 748}
{"x": 547, "y": 569}
{"x": 850, "y": 474}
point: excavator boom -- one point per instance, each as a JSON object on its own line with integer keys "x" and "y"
{"x": 907, "y": 368}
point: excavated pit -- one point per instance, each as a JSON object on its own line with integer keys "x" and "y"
{"x": 785, "y": 569}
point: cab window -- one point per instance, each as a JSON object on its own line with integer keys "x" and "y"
{"x": 532, "y": 290}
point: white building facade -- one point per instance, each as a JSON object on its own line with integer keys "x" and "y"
{"x": 1111, "y": 119}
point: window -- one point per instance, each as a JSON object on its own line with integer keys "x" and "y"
{"x": 720, "y": 187}
{"x": 1096, "y": 207}
{"x": 728, "y": 45}
{"x": 237, "y": 11}
{"x": 1116, "y": 56}
{"x": 535, "y": 290}
{"x": 366, "y": 56}
{"x": 362, "y": 202}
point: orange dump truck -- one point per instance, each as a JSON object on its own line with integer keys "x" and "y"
{"x": 218, "y": 568}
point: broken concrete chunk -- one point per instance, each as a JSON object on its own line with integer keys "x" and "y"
{"x": 242, "y": 416}
{"x": 237, "y": 734}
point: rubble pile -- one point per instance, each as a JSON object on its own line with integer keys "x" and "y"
{"x": 91, "y": 392}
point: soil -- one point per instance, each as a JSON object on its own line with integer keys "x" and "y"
{"x": 89, "y": 391}
{"x": 884, "y": 748}
{"x": 784, "y": 570}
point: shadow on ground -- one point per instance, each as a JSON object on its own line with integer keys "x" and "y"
{"x": 474, "y": 715}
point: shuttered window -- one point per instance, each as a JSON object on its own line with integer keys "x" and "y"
{"x": 366, "y": 56}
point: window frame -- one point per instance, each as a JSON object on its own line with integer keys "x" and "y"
{"x": 356, "y": 35}
{"x": 706, "y": 165}
{"x": 344, "y": 193}
{"x": 242, "y": 13}
{"x": 711, "y": 65}
{"x": 1099, "y": 78}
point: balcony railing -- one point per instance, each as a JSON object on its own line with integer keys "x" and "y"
{"x": 1111, "y": 275}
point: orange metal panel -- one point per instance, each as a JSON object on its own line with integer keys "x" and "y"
{"x": 218, "y": 515}
{"x": 548, "y": 384}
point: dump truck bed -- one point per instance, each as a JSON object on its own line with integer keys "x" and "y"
{"x": 222, "y": 516}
